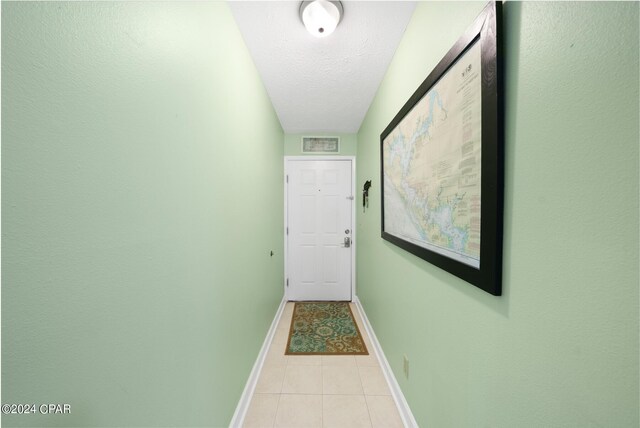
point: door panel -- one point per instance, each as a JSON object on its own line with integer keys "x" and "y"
{"x": 319, "y": 213}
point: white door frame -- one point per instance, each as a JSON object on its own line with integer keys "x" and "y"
{"x": 354, "y": 240}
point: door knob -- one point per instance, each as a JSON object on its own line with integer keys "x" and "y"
{"x": 347, "y": 242}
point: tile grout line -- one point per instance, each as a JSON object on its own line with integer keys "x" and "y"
{"x": 366, "y": 403}
{"x": 275, "y": 417}
{"x": 364, "y": 395}
{"x": 322, "y": 393}
{"x": 249, "y": 389}
{"x": 402, "y": 406}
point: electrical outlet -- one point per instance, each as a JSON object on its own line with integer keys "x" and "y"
{"x": 405, "y": 366}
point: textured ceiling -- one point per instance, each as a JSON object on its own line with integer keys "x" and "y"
{"x": 322, "y": 84}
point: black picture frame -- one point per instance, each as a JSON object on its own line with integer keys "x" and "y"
{"x": 485, "y": 30}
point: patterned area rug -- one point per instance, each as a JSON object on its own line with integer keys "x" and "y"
{"x": 324, "y": 328}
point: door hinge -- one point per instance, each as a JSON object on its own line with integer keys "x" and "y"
{"x": 287, "y": 230}
{"x": 287, "y": 282}
{"x": 287, "y": 178}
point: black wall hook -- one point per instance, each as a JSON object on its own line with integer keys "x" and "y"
{"x": 365, "y": 195}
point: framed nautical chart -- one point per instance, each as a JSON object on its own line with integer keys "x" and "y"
{"x": 442, "y": 161}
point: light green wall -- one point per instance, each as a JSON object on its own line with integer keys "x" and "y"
{"x": 141, "y": 195}
{"x": 560, "y": 347}
{"x": 293, "y": 144}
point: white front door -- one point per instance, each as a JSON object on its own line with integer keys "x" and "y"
{"x": 319, "y": 229}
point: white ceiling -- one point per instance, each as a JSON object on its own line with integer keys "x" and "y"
{"x": 322, "y": 85}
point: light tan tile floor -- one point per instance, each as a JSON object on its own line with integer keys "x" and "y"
{"x": 320, "y": 391}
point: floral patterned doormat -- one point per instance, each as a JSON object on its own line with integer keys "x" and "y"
{"x": 324, "y": 328}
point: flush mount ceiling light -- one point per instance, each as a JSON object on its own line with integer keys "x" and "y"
{"x": 321, "y": 17}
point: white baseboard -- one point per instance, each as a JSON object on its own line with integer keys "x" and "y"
{"x": 403, "y": 407}
{"x": 249, "y": 388}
